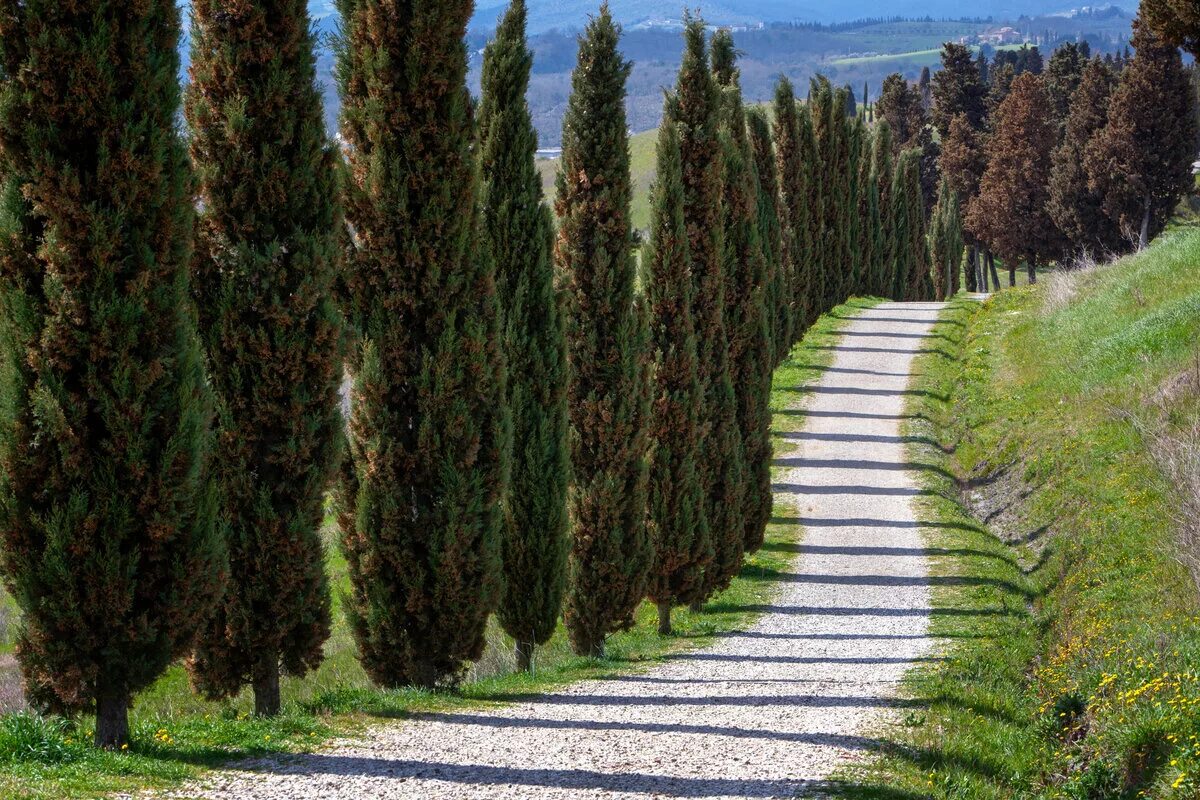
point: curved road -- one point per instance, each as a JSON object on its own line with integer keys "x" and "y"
{"x": 767, "y": 712}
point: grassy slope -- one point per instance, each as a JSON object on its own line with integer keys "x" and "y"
{"x": 1073, "y": 645}
{"x": 175, "y": 733}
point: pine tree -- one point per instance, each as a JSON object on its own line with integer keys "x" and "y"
{"x": 677, "y": 521}
{"x": 958, "y": 89}
{"x": 745, "y": 267}
{"x": 770, "y": 235}
{"x": 722, "y": 468}
{"x": 1176, "y": 21}
{"x": 1076, "y": 210}
{"x": 420, "y": 509}
{"x": 268, "y": 256}
{"x": 1140, "y": 162}
{"x": 536, "y": 536}
{"x": 1009, "y": 214}
{"x": 793, "y": 142}
{"x": 607, "y": 348}
{"x": 883, "y": 175}
{"x": 110, "y": 543}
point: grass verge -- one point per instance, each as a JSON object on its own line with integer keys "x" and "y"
{"x": 1069, "y": 622}
{"x": 176, "y": 734}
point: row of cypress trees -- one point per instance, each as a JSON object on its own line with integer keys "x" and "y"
{"x": 533, "y": 426}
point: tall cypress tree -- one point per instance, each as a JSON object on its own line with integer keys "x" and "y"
{"x": 911, "y": 279}
{"x": 770, "y": 235}
{"x": 420, "y": 510}
{"x": 963, "y": 163}
{"x": 1140, "y": 161}
{"x": 745, "y": 268}
{"x": 107, "y": 510}
{"x": 606, "y": 347}
{"x": 1176, "y": 21}
{"x": 856, "y": 208}
{"x": 945, "y": 242}
{"x": 536, "y": 536}
{"x": 1076, "y": 210}
{"x": 823, "y": 195}
{"x": 958, "y": 89}
{"x": 698, "y": 110}
{"x": 1063, "y": 75}
{"x": 677, "y": 509}
{"x": 793, "y": 138}
{"x": 267, "y": 260}
{"x": 883, "y": 174}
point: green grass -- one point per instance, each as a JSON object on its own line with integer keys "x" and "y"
{"x": 176, "y": 734}
{"x": 904, "y": 59}
{"x": 1070, "y": 627}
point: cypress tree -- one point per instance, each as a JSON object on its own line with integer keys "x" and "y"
{"x": 1140, "y": 161}
{"x": 107, "y": 507}
{"x": 1010, "y": 214}
{"x": 420, "y": 510}
{"x": 958, "y": 89}
{"x": 963, "y": 163}
{"x": 900, "y": 105}
{"x": 1076, "y": 210}
{"x": 883, "y": 175}
{"x": 536, "y": 536}
{"x": 1177, "y": 22}
{"x": 745, "y": 268}
{"x": 678, "y": 526}
{"x": 911, "y": 278}
{"x": 607, "y": 348}
{"x": 945, "y": 242}
{"x": 792, "y": 134}
{"x": 1063, "y": 75}
{"x": 268, "y": 255}
{"x": 827, "y": 162}
{"x": 856, "y": 211}
{"x": 698, "y": 109}
{"x": 770, "y": 235}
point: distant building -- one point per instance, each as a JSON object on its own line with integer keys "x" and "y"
{"x": 995, "y": 37}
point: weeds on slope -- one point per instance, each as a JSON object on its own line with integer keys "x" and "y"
{"x": 175, "y": 733}
{"x": 1077, "y": 672}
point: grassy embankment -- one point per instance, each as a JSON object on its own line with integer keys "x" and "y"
{"x": 175, "y": 733}
{"x": 1069, "y": 622}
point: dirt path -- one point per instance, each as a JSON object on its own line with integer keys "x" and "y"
{"x": 767, "y": 712}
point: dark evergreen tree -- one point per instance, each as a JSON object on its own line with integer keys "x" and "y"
{"x": 1063, "y": 76}
{"x": 900, "y": 105}
{"x": 945, "y": 243}
{"x": 911, "y": 276}
{"x": 851, "y": 102}
{"x": 962, "y": 163}
{"x": 107, "y": 508}
{"x": 677, "y": 522}
{"x": 745, "y": 267}
{"x": 1001, "y": 84}
{"x": 856, "y": 211}
{"x": 1076, "y": 210}
{"x": 958, "y": 89}
{"x": 1140, "y": 161}
{"x": 883, "y": 176}
{"x": 770, "y": 235}
{"x": 267, "y": 260}
{"x": 1009, "y": 215}
{"x": 1177, "y": 22}
{"x": 420, "y": 509}
{"x": 722, "y": 469}
{"x": 925, "y": 89}
{"x": 607, "y": 348}
{"x": 793, "y": 145}
{"x": 536, "y": 536}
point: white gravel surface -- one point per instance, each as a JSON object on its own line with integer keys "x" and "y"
{"x": 767, "y": 712}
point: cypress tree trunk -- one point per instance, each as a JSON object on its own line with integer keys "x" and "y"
{"x": 1012, "y": 273}
{"x": 266, "y": 685}
{"x": 991, "y": 262}
{"x": 420, "y": 511}
{"x": 1031, "y": 265}
{"x": 606, "y": 344}
{"x": 107, "y": 508}
{"x": 523, "y": 650}
{"x": 536, "y": 529}
{"x": 112, "y": 719}
{"x": 1144, "y": 236}
{"x": 664, "y": 618}
{"x": 267, "y": 261}
{"x": 973, "y": 269}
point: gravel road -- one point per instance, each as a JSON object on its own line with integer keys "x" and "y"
{"x": 767, "y": 712}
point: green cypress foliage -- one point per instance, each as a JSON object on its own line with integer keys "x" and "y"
{"x": 856, "y": 132}
{"x": 770, "y": 235}
{"x": 911, "y": 279}
{"x": 825, "y": 251}
{"x": 536, "y": 534}
{"x": 107, "y": 508}
{"x": 268, "y": 255}
{"x": 420, "y": 510}
{"x": 945, "y": 242}
{"x": 698, "y": 107}
{"x": 793, "y": 138}
{"x": 607, "y": 349}
{"x": 883, "y": 175}
{"x": 677, "y": 521}
{"x": 750, "y": 364}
